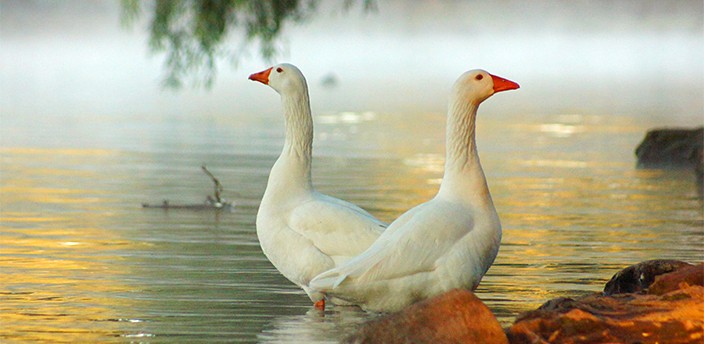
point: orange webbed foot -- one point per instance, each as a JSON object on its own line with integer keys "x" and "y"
{"x": 320, "y": 305}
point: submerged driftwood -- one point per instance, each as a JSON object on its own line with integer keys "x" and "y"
{"x": 214, "y": 202}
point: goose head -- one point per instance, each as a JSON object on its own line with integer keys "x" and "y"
{"x": 477, "y": 85}
{"x": 284, "y": 78}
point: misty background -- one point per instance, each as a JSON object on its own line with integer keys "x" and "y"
{"x": 74, "y": 58}
{"x": 88, "y": 134}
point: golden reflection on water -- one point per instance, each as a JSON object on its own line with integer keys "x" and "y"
{"x": 81, "y": 261}
{"x": 573, "y": 207}
{"x": 59, "y": 273}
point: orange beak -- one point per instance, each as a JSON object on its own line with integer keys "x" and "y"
{"x": 262, "y": 76}
{"x": 500, "y": 84}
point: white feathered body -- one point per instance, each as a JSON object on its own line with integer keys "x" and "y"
{"x": 435, "y": 247}
{"x": 301, "y": 231}
{"x": 446, "y": 243}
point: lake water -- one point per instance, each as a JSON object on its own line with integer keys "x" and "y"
{"x": 82, "y": 261}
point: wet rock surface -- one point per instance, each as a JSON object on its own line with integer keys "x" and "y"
{"x": 687, "y": 275}
{"x": 640, "y": 276}
{"x": 457, "y": 316}
{"x": 674, "y": 148}
{"x": 670, "y": 311}
{"x": 656, "y": 301}
{"x": 669, "y": 147}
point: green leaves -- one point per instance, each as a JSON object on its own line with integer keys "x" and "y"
{"x": 195, "y": 34}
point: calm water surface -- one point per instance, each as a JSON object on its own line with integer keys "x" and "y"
{"x": 81, "y": 261}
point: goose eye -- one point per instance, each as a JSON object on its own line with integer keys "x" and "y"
{"x": 479, "y": 77}
{"x": 279, "y": 70}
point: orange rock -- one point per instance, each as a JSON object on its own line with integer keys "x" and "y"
{"x": 690, "y": 275}
{"x": 639, "y": 277}
{"x": 674, "y": 317}
{"x": 457, "y": 316}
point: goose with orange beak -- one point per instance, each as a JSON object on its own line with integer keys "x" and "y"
{"x": 301, "y": 231}
{"x": 446, "y": 243}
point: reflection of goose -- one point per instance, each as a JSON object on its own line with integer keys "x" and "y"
{"x": 302, "y": 231}
{"x": 313, "y": 328}
{"x": 448, "y": 242}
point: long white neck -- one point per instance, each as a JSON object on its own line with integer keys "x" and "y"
{"x": 293, "y": 168}
{"x": 464, "y": 179}
{"x": 299, "y": 125}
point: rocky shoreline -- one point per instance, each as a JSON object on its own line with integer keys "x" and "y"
{"x": 669, "y": 310}
{"x": 657, "y": 301}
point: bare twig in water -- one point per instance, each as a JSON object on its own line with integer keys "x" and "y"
{"x": 210, "y": 202}
{"x": 218, "y": 186}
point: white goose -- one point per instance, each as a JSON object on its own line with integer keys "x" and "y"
{"x": 301, "y": 231}
{"x": 448, "y": 242}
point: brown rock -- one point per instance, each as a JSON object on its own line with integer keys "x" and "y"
{"x": 685, "y": 276}
{"x": 638, "y": 277}
{"x": 674, "y": 148}
{"x": 670, "y": 147}
{"x": 672, "y": 312}
{"x": 454, "y": 317}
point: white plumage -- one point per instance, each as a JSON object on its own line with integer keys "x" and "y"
{"x": 301, "y": 231}
{"x": 448, "y": 242}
